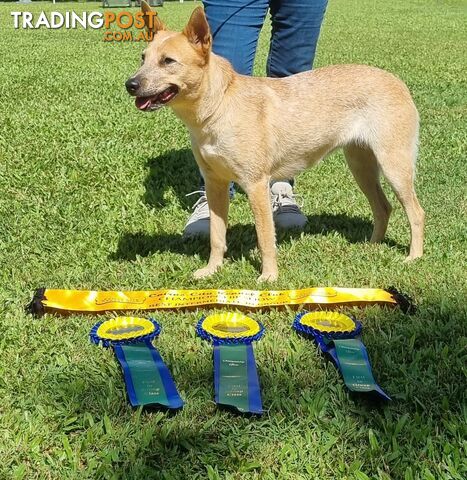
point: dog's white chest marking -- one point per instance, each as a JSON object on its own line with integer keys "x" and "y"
{"x": 209, "y": 151}
{"x": 215, "y": 160}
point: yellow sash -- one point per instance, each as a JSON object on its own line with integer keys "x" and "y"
{"x": 96, "y": 301}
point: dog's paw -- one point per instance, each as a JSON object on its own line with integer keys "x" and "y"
{"x": 411, "y": 258}
{"x": 268, "y": 277}
{"x": 204, "y": 272}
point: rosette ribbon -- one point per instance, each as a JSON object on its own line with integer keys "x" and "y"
{"x": 236, "y": 382}
{"x": 339, "y": 336}
{"x": 147, "y": 379}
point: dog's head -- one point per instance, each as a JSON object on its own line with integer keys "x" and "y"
{"x": 173, "y": 64}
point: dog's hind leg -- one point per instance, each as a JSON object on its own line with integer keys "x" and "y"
{"x": 398, "y": 167}
{"x": 363, "y": 165}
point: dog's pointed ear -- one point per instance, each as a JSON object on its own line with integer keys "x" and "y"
{"x": 151, "y": 19}
{"x": 197, "y": 30}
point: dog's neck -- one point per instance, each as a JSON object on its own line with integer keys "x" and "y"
{"x": 202, "y": 106}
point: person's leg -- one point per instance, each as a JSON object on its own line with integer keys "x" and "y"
{"x": 295, "y": 30}
{"x": 235, "y": 27}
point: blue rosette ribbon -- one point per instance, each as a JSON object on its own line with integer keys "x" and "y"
{"x": 147, "y": 379}
{"x": 236, "y": 381}
{"x": 339, "y": 336}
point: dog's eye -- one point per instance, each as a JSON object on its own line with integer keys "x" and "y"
{"x": 142, "y": 57}
{"x": 168, "y": 60}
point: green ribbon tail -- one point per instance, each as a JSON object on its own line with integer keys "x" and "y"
{"x": 236, "y": 380}
{"x": 352, "y": 360}
{"x": 147, "y": 378}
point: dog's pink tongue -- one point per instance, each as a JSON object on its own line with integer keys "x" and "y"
{"x": 142, "y": 103}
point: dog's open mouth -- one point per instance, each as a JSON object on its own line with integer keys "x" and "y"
{"x": 156, "y": 101}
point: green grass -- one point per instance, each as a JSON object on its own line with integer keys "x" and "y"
{"x": 92, "y": 196}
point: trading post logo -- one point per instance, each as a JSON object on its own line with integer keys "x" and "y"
{"x": 123, "y": 20}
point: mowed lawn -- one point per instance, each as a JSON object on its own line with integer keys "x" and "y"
{"x": 93, "y": 197}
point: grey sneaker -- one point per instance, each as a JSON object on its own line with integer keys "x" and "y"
{"x": 198, "y": 223}
{"x": 285, "y": 211}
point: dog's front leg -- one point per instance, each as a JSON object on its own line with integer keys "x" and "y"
{"x": 217, "y": 193}
{"x": 258, "y": 195}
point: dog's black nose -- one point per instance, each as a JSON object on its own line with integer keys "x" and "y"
{"x": 132, "y": 85}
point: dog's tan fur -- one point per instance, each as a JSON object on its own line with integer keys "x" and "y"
{"x": 251, "y": 130}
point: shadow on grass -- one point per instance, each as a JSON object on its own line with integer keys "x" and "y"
{"x": 241, "y": 239}
{"x": 175, "y": 170}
